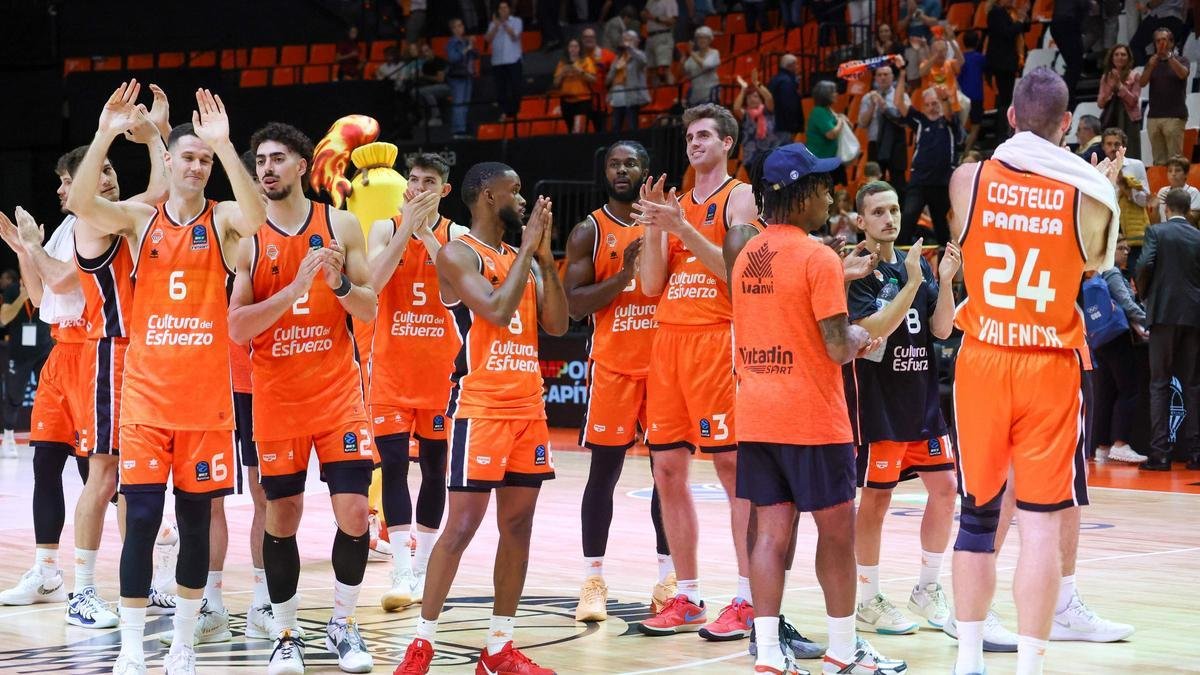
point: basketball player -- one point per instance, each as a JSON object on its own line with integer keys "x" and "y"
{"x": 690, "y": 390}
{"x": 895, "y": 408}
{"x": 412, "y": 359}
{"x": 499, "y": 295}
{"x": 784, "y": 467}
{"x": 176, "y": 405}
{"x": 601, "y": 283}
{"x": 308, "y": 391}
{"x": 1017, "y": 393}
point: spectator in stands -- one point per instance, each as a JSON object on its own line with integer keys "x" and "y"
{"x": 756, "y": 15}
{"x": 1168, "y": 276}
{"x": 573, "y": 77}
{"x": 461, "y": 75}
{"x": 1177, "y": 174}
{"x": 785, "y": 89}
{"x": 432, "y": 87}
{"x": 1066, "y": 29}
{"x": 701, "y": 68}
{"x": 885, "y": 42}
{"x": 614, "y": 28}
{"x": 1003, "y": 59}
{"x": 920, "y": 16}
{"x": 1159, "y": 14}
{"x": 970, "y": 83}
{"x": 504, "y": 34}
{"x": 1115, "y": 379}
{"x": 938, "y": 133}
{"x": 392, "y": 68}
{"x": 887, "y": 139}
{"x": 843, "y": 220}
{"x": 824, "y": 125}
{"x": 1133, "y": 192}
{"x": 627, "y": 91}
{"x": 1091, "y": 148}
{"x": 916, "y": 53}
{"x": 346, "y": 56}
{"x": 754, "y": 107}
{"x": 941, "y": 70}
{"x": 660, "y": 17}
{"x": 549, "y": 20}
{"x": 414, "y": 25}
{"x": 792, "y": 12}
{"x": 1119, "y": 99}
{"x": 1166, "y": 74}
{"x": 603, "y": 59}
{"x": 831, "y": 18}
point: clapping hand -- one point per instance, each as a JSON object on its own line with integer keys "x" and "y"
{"x": 210, "y": 120}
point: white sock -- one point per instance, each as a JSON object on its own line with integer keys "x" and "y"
{"x": 1031, "y": 652}
{"x": 401, "y": 554}
{"x": 10, "y": 435}
{"x": 931, "y": 568}
{"x": 133, "y": 632}
{"x": 426, "y": 629}
{"x": 970, "y": 647}
{"x": 743, "y": 590}
{"x": 187, "y": 611}
{"x": 345, "y": 599}
{"x": 666, "y": 567}
{"x": 500, "y": 632}
{"x": 425, "y": 542}
{"x": 212, "y": 592}
{"x": 868, "y": 583}
{"x": 841, "y": 635}
{"x": 46, "y": 560}
{"x": 690, "y": 588}
{"x": 593, "y": 567}
{"x": 261, "y": 595}
{"x": 766, "y": 632}
{"x": 85, "y": 569}
{"x": 285, "y": 612}
{"x": 1066, "y": 590}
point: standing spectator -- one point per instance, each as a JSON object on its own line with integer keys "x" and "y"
{"x": 603, "y": 60}
{"x": 1166, "y": 74}
{"x": 1003, "y": 59}
{"x": 573, "y": 77}
{"x": 461, "y": 75}
{"x": 754, "y": 107}
{"x": 346, "y": 56}
{"x": 938, "y": 134}
{"x": 701, "y": 68}
{"x": 885, "y": 42}
{"x": 824, "y": 125}
{"x": 549, "y": 20}
{"x": 29, "y": 345}
{"x": 756, "y": 15}
{"x": 941, "y": 70}
{"x": 785, "y": 89}
{"x": 920, "y": 16}
{"x": 970, "y": 83}
{"x": 1119, "y": 99}
{"x": 504, "y": 34}
{"x": 614, "y": 28}
{"x": 831, "y": 20}
{"x": 1088, "y": 133}
{"x": 916, "y": 53}
{"x": 1066, "y": 29}
{"x": 887, "y": 138}
{"x": 414, "y": 26}
{"x": 1159, "y": 14}
{"x": 432, "y": 87}
{"x": 1133, "y": 192}
{"x": 660, "y": 17}
{"x": 1115, "y": 376}
{"x": 627, "y": 91}
{"x": 792, "y": 12}
{"x": 1177, "y": 175}
{"x": 1168, "y": 276}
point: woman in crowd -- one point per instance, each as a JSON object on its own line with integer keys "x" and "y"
{"x": 754, "y": 107}
{"x": 701, "y": 68}
{"x": 626, "y": 80}
{"x": 824, "y": 125}
{"x": 573, "y": 77}
{"x": 1119, "y": 99}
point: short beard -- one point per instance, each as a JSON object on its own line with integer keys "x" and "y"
{"x": 511, "y": 219}
{"x": 628, "y": 196}
{"x": 280, "y": 194}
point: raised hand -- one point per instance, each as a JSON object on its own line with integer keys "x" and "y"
{"x": 545, "y": 253}
{"x": 912, "y": 261}
{"x": 210, "y": 120}
{"x": 856, "y": 265}
{"x": 951, "y": 261}
{"x": 633, "y": 257}
{"x": 308, "y": 270}
{"x": 160, "y": 111}
{"x": 28, "y": 229}
{"x": 143, "y": 130}
{"x": 120, "y": 111}
{"x": 653, "y": 191}
{"x": 667, "y": 215}
{"x": 418, "y": 210}
{"x": 10, "y": 236}
{"x": 531, "y": 235}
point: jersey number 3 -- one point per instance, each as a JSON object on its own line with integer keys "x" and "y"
{"x": 1041, "y": 294}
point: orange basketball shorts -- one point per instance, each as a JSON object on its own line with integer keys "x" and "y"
{"x": 347, "y": 456}
{"x": 690, "y": 389}
{"x": 58, "y": 404}
{"x": 616, "y": 409}
{"x": 487, "y": 453}
{"x": 1020, "y": 409}
{"x": 431, "y": 425}
{"x": 103, "y": 367}
{"x": 883, "y": 464}
{"x": 201, "y": 463}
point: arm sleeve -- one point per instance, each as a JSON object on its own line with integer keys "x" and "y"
{"x": 826, "y": 283}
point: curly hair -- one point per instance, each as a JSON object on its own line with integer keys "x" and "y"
{"x": 287, "y": 135}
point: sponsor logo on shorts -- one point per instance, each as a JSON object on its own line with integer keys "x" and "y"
{"x": 349, "y": 439}
{"x": 202, "y": 472}
{"x": 599, "y": 428}
{"x": 316, "y": 241}
{"x": 935, "y": 447}
{"x": 539, "y": 455}
{"x": 881, "y": 464}
{"x": 41, "y": 425}
{"x": 129, "y": 464}
{"x": 199, "y": 237}
{"x": 380, "y": 419}
{"x": 439, "y": 423}
{"x": 153, "y": 464}
{"x": 483, "y": 460}
{"x": 710, "y": 216}
{"x": 705, "y": 428}
{"x": 620, "y": 430}
{"x": 269, "y": 458}
{"x": 758, "y": 276}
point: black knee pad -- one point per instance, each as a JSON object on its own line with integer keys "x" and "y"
{"x": 397, "y": 502}
{"x": 143, "y": 515}
{"x": 281, "y": 562}
{"x": 349, "y": 557}
{"x": 348, "y": 477}
{"x": 977, "y": 527}
{"x": 393, "y": 448}
{"x": 279, "y": 487}
{"x": 49, "y": 505}
{"x": 431, "y": 500}
{"x": 193, "y": 517}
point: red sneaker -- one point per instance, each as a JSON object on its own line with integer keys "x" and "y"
{"x": 416, "y": 659}
{"x": 733, "y": 623}
{"x": 508, "y": 661}
{"x": 677, "y": 616}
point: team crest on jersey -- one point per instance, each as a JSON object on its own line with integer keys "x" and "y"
{"x": 199, "y": 237}
{"x": 935, "y": 448}
{"x": 489, "y": 263}
{"x": 439, "y": 423}
{"x": 349, "y": 441}
{"x": 272, "y": 251}
{"x": 611, "y": 240}
{"x": 539, "y": 455}
{"x": 156, "y": 236}
{"x": 315, "y": 242}
{"x": 705, "y": 428}
{"x": 710, "y": 216}
{"x": 202, "y": 472}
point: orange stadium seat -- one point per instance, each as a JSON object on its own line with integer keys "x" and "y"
{"x": 322, "y": 54}
{"x": 745, "y": 64}
{"x": 981, "y": 12}
{"x": 369, "y": 70}
{"x": 547, "y": 127}
{"x": 202, "y": 60}
{"x": 554, "y": 107}
{"x": 490, "y": 131}
{"x": 772, "y": 40}
{"x": 378, "y": 47}
{"x": 532, "y": 106}
{"x": 253, "y": 78}
{"x": 1189, "y": 143}
{"x": 293, "y": 55}
{"x": 960, "y": 16}
{"x": 440, "y": 46}
{"x": 232, "y": 59}
{"x": 792, "y": 41}
{"x": 662, "y": 99}
{"x": 317, "y": 74}
{"x": 79, "y": 65}
{"x": 745, "y": 42}
{"x": 283, "y": 76}
{"x": 263, "y": 57}
{"x": 810, "y": 34}
{"x": 735, "y": 23}
{"x": 106, "y": 63}
{"x": 723, "y": 42}
{"x": 1194, "y": 174}
{"x": 531, "y": 40}
{"x": 1156, "y": 176}
{"x": 139, "y": 62}
{"x": 713, "y": 21}
{"x": 170, "y": 60}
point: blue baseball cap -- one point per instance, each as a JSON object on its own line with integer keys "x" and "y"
{"x": 788, "y": 163}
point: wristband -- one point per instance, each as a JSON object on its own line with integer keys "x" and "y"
{"x": 343, "y": 290}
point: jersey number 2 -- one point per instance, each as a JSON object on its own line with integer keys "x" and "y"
{"x": 1041, "y": 294}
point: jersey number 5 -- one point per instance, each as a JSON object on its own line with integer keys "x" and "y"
{"x": 1041, "y": 294}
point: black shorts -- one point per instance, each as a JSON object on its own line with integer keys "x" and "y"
{"x": 813, "y": 477}
{"x": 243, "y": 421}
{"x": 976, "y": 113}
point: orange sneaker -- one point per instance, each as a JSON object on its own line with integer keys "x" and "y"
{"x": 508, "y": 661}
{"x": 733, "y": 623}
{"x": 416, "y": 658}
{"x": 679, "y": 615}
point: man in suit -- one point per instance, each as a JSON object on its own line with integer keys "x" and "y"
{"x": 1168, "y": 275}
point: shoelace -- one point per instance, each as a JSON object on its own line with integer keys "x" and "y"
{"x": 161, "y": 599}
{"x": 593, "y": 593}
{"x": 348, "y": 633}
{"x": 287, "y": 646}
{"x": 788, "y": 633}
{"x": 1081, "y": 610}
{"x": 888, "y": 609}
{"x": 671, "y": 602}
{"x": 89, "y": 604}
{"x": 420, "y": 662}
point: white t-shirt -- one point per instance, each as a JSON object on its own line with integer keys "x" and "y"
{"x": 1162, "y": 195}
{"x": 660, "y": 9}
{"x": 60, "y": 307}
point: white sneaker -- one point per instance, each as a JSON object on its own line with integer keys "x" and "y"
{"x": 881, "y": 616}
{"x": 343, "y": 639}
{"x": 378, "y": 550}
{"x": 1124, "y": 453}
{"x": 211, "y": 626}
{"x": 864, "y": 661}
{"x": 930, "y": 602}
{"x": 288, "y": 656}
{"x": 180, "y": 661}
{"x": 1100, "y": 454}
{"x": 1078, "y": 622}
{"x": 418, "y": 591}
{"x": 87, "y": 610}
{"x": 8, "y": 449}
{"x": 166, "y": 552}
{"x": 33, "y": 588}
{"x": 159, "y": 603}
{"x": 260, "y": 622}
{"x": 399, "y": 595}
{"x": 996, "y": 638}
{"x": 127, "y": 665}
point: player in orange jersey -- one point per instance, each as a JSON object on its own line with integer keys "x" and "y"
{"x": 308, "y": 392}
{"x": 499, "y": 295}
{"x": 601, "y": 284}
{"x": 176, "y": 401}
{"x": 690, "y": 389}
{"x": 1030, "y": 221}
{"x": 412, "y": 359}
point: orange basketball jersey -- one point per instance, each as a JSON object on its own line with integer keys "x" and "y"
{"x": 306, "y": 376}
{"x": 107, "y": 283}
{"x": 1023, "y": 261}
{"x": 497, "y": 374}
{"x": 177, "y": 366}
{"x": 239, "y": 367}
{"x": 624, "y": 329}
{"x": 72, "y": 331}
{"x": 412, "y": 356}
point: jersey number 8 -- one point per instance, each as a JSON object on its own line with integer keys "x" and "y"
{"x": 1041, "y": 294}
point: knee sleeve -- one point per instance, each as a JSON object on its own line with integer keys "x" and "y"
{"x": 193, "y": 517}
{"x": 49, "y": 507}
{"x": 660, "y": 532}
{"x": 431, "y": 500}
{"x": 84, "y": 466}
{"x": 350, "y": 557}
{"x": 281, "y": 563}
{"x": 348, "y": 477}
{"x": 597, "y": 507}
{"x": 143, "y": 515}
{"x": 977, "y": 527}
{"x": 393, "y": 456}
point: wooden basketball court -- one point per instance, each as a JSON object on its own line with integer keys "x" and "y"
{"x": 1139, "y": 556}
